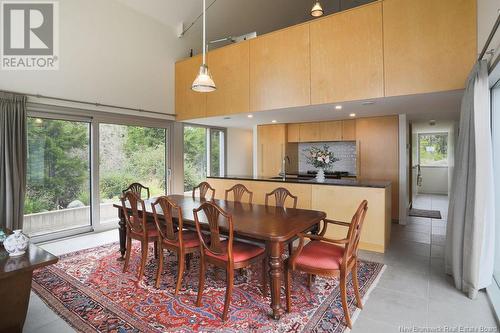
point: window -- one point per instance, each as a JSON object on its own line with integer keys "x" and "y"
{"x": 129, "y": 154}
{"x": 203, "y": 154}
{"x": 58, "y": 176}
{"x": 433, "y": 149}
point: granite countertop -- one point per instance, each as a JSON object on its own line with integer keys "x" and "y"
{"x": 295, "y": 180}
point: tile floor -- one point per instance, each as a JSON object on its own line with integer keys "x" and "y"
{"x": 413, "y": 292}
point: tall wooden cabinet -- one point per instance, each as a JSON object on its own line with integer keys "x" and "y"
{"x": 271, "y": 145}
{"x": 188, "y": 104}
{"x": 378, "y": 140}
{"x": 280, "y": 69}
{"x": 347, "y": 56}
{"x": 230, "y": 70}
{"x": 428, "y": 45}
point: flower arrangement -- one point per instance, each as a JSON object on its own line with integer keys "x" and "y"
{"x": 320, "y": 158}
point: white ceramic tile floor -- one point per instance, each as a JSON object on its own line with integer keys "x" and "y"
{"x": 414, "y": 291}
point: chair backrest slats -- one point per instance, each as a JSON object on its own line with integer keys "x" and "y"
{"x": 354, "y": 233}
{"x": 167, "y": 229}
{"x": 203, "y": 188}
{"x": 215, "y": 216}
{"x": 135, "y": 221}
{"x": 280, "y": 195}
{"x": 238, "y": 191}
{"x": 137, "y": 188}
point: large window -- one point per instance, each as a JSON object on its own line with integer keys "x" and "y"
{"x": 58, "y": 176}
{"x": 129, "y": 154}
{"x": 433, "y": 149}
{"x": 203, "y": 154}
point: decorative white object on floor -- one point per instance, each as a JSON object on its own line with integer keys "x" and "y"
{"x": 16, "y": 244}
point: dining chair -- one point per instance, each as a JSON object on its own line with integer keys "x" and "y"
{"x": 137, "y": 228}
{"x": 227, "y": 253}
{"x": 137, "y": 188}
{"x": 238, "y": 191}
{"x": 330, "y": 257}
{"x": 203, "y": 189}
{"x": 173, "y": 238}
{"x": 280, "y": 196}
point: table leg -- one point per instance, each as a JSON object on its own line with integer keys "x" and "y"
{"x": 123, "y": 236}
{"x": 275, "y": 274}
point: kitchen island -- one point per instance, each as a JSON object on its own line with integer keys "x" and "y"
{"x": 338, "y": 198}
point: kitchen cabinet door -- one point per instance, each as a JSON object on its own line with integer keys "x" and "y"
{"x": 230, "y": 70}
{"x": 331, "y": 131}
{"x": 429, "y": 45}
{"x": 271, "y": 142}
{"x": 347, "y": 55}
{"x": 188, "y": 103}
{"x": 280, "y": 69}
{"x": 310, "y": 132}
{"x": 349, "y": 130}
{"x": 293, "y": 134}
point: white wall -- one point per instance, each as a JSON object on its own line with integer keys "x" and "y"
{"x": 109, "y": 53}
{"x": 239, "y": 152}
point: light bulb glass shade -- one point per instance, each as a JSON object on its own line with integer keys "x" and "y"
{"x": 317, "y": 10}
{"x": 204, "y": 82}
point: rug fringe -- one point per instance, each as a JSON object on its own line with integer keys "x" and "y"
{"x": 375, "y": 282}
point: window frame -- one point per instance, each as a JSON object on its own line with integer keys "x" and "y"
{"x": 447, "y": 144}
{"x": 95, "y": 118}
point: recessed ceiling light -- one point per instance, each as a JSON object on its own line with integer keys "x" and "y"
{"x": 227, "y": 118}
{"x": 352, "y": 115}
{"x": 274, "y": 121}
{"x": 250, "y": 116}
{"x": 338, "y": 107}
{"x": 368, "y": 103}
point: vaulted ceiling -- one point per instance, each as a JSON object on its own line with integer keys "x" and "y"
{"x": 233, "y": 17}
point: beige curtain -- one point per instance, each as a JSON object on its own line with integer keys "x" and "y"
{"x": 12, "y": 160}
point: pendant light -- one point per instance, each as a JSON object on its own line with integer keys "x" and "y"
{"x": 204, "y": 82}
{"x": 317, "y": 10}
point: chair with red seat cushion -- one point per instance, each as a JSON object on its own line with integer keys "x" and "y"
{"x": 327, "y": 257}
{"x": 183, "y": 242}
{"x": 137, "y": 228}
{"x": 228, "y": 254}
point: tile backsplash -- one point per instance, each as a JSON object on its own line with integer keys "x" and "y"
{"x": 345, "y": 151}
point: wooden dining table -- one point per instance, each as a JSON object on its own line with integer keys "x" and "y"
{"x": 271, "y": 226}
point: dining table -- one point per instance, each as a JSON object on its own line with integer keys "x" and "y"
{"x": 271, "y": 226}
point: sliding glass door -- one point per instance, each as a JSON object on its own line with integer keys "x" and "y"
{"x": 129, "y": 154}
{"x": 58, "y": 176}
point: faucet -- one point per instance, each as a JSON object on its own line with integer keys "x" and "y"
{"x": 283, "y": 166}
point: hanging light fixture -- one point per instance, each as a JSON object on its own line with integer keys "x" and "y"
{"x": 204, "y": 82}
{"x": 317, "y": 10}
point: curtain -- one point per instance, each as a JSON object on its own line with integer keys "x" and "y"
{"x": 469, "y": 251}
{"x": 12, "y": 160}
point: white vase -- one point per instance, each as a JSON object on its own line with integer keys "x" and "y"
{"x": 16, "y": 244}
{"x": 320, "y": 176}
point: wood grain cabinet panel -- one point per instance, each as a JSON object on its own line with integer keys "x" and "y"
{"x": 293, "y": 134}
{"x": 347, "y": 56}
{"x": 271, "y": 142}
{"x": 310, "y": 132}
{"x": 429, "y": 45}
{"x": 349, "y": 130}
{"x": 280, "y": 69}
{"x": 188, "y": 104}
{"x": 330, "y": 131}
{"x": 230, "y": 70}
{"x": 379, "y": 153}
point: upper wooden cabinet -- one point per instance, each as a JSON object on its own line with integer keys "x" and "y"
{"x": 293, "y": 134}
{"x": 330, "y": 131}
{"x": 347, "y": 56}
{"x": 280, "y": 69}
{"x": 271, "y": 142}
{"x": 188, "y": 104}
{"x": 309, "y": 132}
{"x": 349, "y": 130}
{"x": 429, "y": 45}
{"x": 230, "y": 70}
